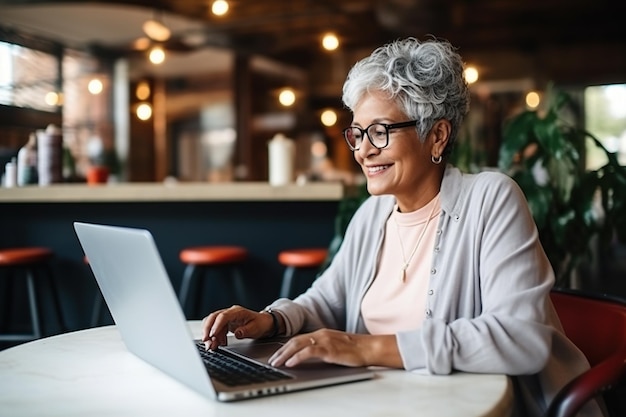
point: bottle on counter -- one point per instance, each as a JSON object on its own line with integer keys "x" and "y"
{"x": 281, "y": 160}
{"x": 27, "y": 162}
{"x": 50, "y": 155}
{"x": 10, "y": 173}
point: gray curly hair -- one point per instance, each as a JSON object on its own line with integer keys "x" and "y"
{"x": 425, "y": 79}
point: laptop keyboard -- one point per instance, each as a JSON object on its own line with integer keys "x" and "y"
{"x": 234, "y": 371}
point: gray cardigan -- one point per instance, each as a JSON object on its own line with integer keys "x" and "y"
{"x": 488, "y": 309}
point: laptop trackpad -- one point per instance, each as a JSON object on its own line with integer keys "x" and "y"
{"x": 259, "y": 351}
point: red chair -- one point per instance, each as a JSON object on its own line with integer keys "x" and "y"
{"x": 34, "y": 265}
{"x": 597, "y": 325}
{"x": 200, "y": 259}
{"x": 295, "y": 259}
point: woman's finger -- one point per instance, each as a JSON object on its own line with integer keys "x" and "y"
{"x": 295, "y": 351}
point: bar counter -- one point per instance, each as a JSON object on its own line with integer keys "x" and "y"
{"x": 197, "y": 191}
{"x": 260, "y": 217}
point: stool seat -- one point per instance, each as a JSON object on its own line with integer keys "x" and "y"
{"x": 205, "y": 255}
{"x": 23, "y": 256}
{"x": 29, "y": 260}
{"x": 221, "y": 258}
{"x": 303, "y": 258}
{"x": 294, "y": 259}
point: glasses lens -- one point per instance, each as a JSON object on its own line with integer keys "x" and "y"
{"x": 378, "y": 135}
{"x": 354, "y": 136}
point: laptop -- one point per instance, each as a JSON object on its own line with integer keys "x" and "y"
{"x": 138, "y": 292}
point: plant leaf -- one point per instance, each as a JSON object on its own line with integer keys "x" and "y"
{"x": 516, "y": 136}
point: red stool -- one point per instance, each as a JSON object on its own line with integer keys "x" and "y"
{"x": 30, "y": 260}
{"x": 295, "y": 259}
{"x": 203, "y": 258}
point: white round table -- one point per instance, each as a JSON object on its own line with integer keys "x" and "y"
{"x": 90, "y": 373}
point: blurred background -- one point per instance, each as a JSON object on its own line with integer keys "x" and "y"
{"x": 194, "y": 89}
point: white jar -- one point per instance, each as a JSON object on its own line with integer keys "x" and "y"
{"x": 281, "y": 160}
{"x": 10, "y": 174}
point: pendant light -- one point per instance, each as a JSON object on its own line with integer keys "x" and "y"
{"x": 330, "y": 42}
{"x": 155, "y": 29}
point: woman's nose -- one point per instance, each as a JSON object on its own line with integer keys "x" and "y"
{"x": 366, "y": 149}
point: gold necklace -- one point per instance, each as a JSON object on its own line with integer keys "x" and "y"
{"x": 406, "y": 263}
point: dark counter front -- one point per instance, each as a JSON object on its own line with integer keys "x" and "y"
{"x": 264, "y": 227}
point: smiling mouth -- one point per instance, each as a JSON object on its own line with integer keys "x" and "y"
{"x": 377, "y": 169}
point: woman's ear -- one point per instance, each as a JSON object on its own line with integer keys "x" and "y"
{"x": 440, "y": 133}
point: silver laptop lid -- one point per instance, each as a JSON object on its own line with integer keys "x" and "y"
{"x": 139, "y": 294}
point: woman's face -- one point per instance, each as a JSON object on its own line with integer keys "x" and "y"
{"x": 403, "y": 168}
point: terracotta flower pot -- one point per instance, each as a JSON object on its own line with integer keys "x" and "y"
{"x": 97, "y": 175}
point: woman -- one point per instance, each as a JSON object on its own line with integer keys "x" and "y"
{"x": 438, "y": 269}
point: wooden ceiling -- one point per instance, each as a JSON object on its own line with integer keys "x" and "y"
{"x": 571, "y": 41}
{"x": 286, "y": 27}
{"x": 291, "y": 29}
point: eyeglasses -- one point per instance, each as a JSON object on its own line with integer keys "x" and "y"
{"x": 377, "y": 133}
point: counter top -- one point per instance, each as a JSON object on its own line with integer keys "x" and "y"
{"x": 196, "y": 191}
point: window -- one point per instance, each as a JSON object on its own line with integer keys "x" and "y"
{"x": 605, "y": 118}
{"x": 28, "y": 78}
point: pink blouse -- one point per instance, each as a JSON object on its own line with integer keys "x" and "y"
{"x": 396, "y": 301}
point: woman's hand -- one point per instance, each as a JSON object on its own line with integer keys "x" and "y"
{"x": 333, "y": 346}
{"x": 242, "y": 322}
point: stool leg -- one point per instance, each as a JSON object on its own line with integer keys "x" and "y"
{"x": 8, "y": 295}
{"x": 200, "y": 286}
{"x": 285, "y": 290}
{"x": 184, "y": 286}
{"x": 32, "y": 301}
{"x": 56, "y": 300}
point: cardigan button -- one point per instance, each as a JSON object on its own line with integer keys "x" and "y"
{"x": 428, "y": 312}
{"x": 431, "y": 292}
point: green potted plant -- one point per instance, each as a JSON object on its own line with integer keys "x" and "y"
{"x": 570, "y": 205}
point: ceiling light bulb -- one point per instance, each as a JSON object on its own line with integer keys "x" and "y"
{"x": 52, "y": 98}
{"x": 471, "y": 75}
{"x": 157, "y": 55}
{"x": 219, "y": 7}
{"x": 144, "y": 111}
{"x": 287, "y": 97}
{"x": 533, "y": 99}
{"x": 143, "y": 90}
{"x": 330, "y": 42}
{"x": 328, "y": 118}
{"x": 156, "y": 30}
{"x": 95, "y": 86}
